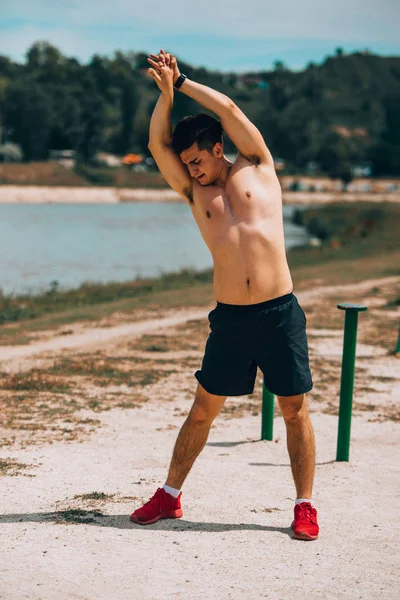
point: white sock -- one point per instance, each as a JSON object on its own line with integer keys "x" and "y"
{"x": 300, "y": 500}
{"x": 170, "y": 490}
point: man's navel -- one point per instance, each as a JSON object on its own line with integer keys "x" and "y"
{"x": 208, "y": 214}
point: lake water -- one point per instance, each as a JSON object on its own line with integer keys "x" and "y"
{"x": 118, "y": 242}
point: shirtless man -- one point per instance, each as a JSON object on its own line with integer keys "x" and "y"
{"x": 257, "y": 321}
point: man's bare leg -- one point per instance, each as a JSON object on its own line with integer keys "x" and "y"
{"x": 193, "y": 435}
{"x": 300, "y": 442}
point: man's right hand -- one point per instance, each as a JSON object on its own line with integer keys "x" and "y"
{"x": 165, "y": 71}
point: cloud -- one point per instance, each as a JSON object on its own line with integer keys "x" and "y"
{"x": 342, "y": 20}
{"x": 212, "y": 33}
{"x": 16, "y": 42}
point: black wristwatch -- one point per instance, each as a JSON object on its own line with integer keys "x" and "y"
{"x": 179, "y": 81}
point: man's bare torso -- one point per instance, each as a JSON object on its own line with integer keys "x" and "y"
{"x": 242, "y": 225}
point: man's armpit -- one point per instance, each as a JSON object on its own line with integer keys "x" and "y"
{"x": 188, "y": 193}
{"x": 254, "y": 159}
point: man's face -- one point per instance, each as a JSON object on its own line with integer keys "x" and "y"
{"x": 202, "y": 164}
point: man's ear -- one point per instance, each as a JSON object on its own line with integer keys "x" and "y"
{"x": 218, "y": 150}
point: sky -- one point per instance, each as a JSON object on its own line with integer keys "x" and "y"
{"x": 217, "y": 34}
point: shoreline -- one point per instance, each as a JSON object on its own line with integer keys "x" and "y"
{"x": 33, "y": 194}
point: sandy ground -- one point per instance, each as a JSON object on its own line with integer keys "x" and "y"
{"x": 65, "y": 529}
{"x": 35, "y": 194}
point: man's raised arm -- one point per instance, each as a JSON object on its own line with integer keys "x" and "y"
{"x": 169, "y": 164}
{"x": 246, "y": 137}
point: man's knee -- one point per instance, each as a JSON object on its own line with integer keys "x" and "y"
{"x": 293, "y": 407}
{"x": 205, "y": 406}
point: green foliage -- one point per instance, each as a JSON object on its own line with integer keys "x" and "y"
{"x": 385, "y": 154}
{"x": 350, "y": 224}
{"x": 339, "y": 113}
{"x": 28, "y": 113}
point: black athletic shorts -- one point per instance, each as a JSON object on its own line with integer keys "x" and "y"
{"x": 270, "y": 335}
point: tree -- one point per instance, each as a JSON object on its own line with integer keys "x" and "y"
{"x": 93, "y": 118}
{"x": 45, "y": 62}
{"x": 385, "y": 155}
{"x": 334, "y": 157}
{"x": 129, "y": 101}
{"x": 28, "y": 114}
{"x": 67, "y": 125}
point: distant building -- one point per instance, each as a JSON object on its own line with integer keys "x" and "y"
{"x": 65, "y": 158}
{"x": 279, "y": 163}
{"x": 312, "y": 167}
{"x": 247, "y": 81}
{"x": 10, "y": 153}
{"x": 110, "y": 160}
{"x": 364, "y": 170}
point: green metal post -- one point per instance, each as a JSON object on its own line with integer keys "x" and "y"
{"x": 267, "y": 415}
{"x": 397, "y": 351}
{"x": 347, "y": 380}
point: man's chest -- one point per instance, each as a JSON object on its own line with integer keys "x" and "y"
{"x": 219, "y": 208}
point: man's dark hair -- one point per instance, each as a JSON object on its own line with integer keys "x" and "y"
{"x": 201, "y": 128}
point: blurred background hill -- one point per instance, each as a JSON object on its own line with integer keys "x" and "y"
{"x": 330, "y": 118}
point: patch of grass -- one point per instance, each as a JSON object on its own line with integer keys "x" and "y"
{"x": 42, "y": 416}
{"x": 32, "y": 380}
{"x": 110, "y": 370}
{"x": 362, "y": 243}
{"x": 39, "y": 173}
{"x": 120, "y": 177}
{"x": 189, "y": 336}
{"x": 393, "y": 303}
{"x": 347, "y": 223}
{"x": 379, "y": 331}
{"x": 387, "y": 413}
{"x": 9, "y": 466}
{"x": 44, "y": 405}
{"x": 51, "y": 173}
{"x": 155, "y": 348}
{"x": 77, "y": 516}
{"x": 239, "y": 409}
{"x": 55, "y": 299}
{"x": 94, "y": 496}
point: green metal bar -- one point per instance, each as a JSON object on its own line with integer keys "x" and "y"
{"x": 397, "y": 351}
{"x": 347, "y": 380}
{"x": 267, "y": 415}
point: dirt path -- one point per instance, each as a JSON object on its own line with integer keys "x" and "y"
{"x": 98, "y": 337}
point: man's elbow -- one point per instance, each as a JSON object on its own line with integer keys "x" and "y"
{"x": 230, "y": 105}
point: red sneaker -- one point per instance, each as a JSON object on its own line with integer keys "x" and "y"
{"x": 305, "y": 525}
{"x": 160, "y": 506}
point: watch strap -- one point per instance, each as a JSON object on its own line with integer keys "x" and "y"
{"x": 179, "y": 81}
